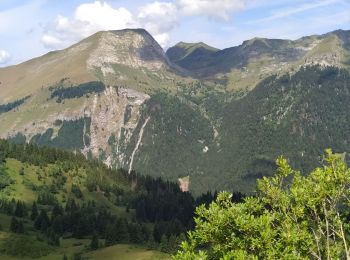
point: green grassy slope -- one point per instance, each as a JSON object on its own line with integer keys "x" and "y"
{"x": 53, "y": 179}
{"x": 261, "y": 57}
{"x": 182, "y": 51}
{"x": 26, "y": 247}
{"x": 37, "y": 179}
{"x": 126, "y": 252}
{"x": 209, "y": 63}
{"x": 128, "y": 57}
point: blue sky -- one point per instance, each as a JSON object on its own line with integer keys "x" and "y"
{"x": 33, "y": 27}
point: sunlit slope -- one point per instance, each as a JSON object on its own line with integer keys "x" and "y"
{"x": 243, "y": 66}
{"x": 112, "y": 57}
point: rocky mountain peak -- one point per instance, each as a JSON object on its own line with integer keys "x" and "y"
{"x": 134, "y": 48}
{"x": 106, "y": 56}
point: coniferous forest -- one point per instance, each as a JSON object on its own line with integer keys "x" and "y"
{"x": 72, "y": 197}
{"x": 291, "y": 215}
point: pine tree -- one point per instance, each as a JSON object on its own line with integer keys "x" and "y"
{"x": 141, "y": 211}
{"x": 172, "y": 244}
{"x": 81, "y": 229}
{"x": 146, "y": 233}
{"x": 10, "y": 207}
{"x": 58, "y": 225}
{"x": 52, "y": 237}
{"x": 111, "y": 235}
{"x": 56, "y": 211}
{"x": 20, "y": 227}
{"x": 151, "y": 244}
{"x": 94, "y": 242}
{"x": 181, "y": 238}
{"x": 42, "y": 222}
{"x": 163, "y": 246}
{"x": 16, "y": 226}
{"x": 135, "y": 233}
{"x": 34, "y": 212}
{"x": 123, "y": 232}
{"x": 20, "y": 209}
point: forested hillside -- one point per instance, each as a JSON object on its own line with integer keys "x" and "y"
{"x": 215, "y": 119}
{"x": 296, "y": 114}
{"x": 68, "y": 205}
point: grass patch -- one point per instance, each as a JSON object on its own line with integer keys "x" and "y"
{"x": 126, "y": 252}
{"x": 23, "y": 246}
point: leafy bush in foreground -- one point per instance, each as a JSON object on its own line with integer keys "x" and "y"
{"x": 292, "y": 217}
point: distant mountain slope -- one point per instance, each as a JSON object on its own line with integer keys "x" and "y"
{"x": 244, "y": 65}
{"x": 111, "y": 56}
{"x": 118, "y": 97}
{"x": 185, "y": 51}
{"x": 297, "y": 115}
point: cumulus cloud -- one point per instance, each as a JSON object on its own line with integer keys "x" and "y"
{"x": 88, "y": 19}
{"x": 218, "y": 9}
{"x": 159, "y": 18}
{"x": 4, "y": 57}
{"x": 102, "y": 15}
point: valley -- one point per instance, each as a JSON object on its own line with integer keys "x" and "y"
{"x": 184, "y": 113}
{"x": 174, "y": 129}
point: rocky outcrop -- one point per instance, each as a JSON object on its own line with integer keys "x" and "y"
{"x": 108, "y": 114}
{"x": 113, "y": 113}
{"x": 132, "y": 48}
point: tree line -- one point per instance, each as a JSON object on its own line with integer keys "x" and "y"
{"x": 163, "y": 213}
{"x": 81, "y": 90}
{"x": 12, "y": 105}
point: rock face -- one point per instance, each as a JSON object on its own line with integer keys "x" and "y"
{"x": 132, "y": 48}
{"x": 184, "y": 183}
{"x": 114, "y": 113}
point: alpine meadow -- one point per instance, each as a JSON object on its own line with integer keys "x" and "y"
{"x": 133, "y": 130}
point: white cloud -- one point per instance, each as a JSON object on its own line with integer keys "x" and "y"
{"x": 159, "y": 18}
{"x": 50, "y": 41}
{"x": 101, "y": 15}
{"x": 4, "y": 57}
{"x": 219, "y": 9}
{"x": 88, "y": 19}
{"x": 163, "y": 39}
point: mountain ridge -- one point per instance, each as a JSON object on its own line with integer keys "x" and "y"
{"x": 135, "y": 108}
{"x": 90, "y": 59}
{"x": 238, "y": 57}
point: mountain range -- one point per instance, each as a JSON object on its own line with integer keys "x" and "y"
{"x": 212, "y": 119}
